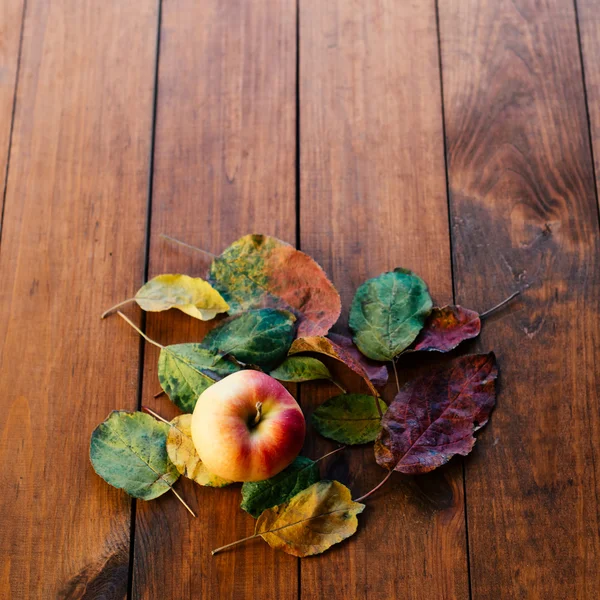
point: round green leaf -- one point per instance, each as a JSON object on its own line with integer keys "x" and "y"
{"x": 129, "y": 452}
{"x": 301, "y": 368}
{"x": 257, "y": 496}
{"x": 257, "y": 337}
{"x": 388, "y": 312}
{"x": 349, "y": 418}
{"x": 186, "y": 370}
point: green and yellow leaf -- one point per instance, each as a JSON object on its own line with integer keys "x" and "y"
{"x": 186, "y": 370}
{"x": 349, "y": 418}
{"x": 191, "y": 295}
{"x": 128, "y": 450}
{"x": 183, "y": 455}
{"x": 300, "y": 368}
{"x": 257, "y": 496}
{"x": 315, "y": 519}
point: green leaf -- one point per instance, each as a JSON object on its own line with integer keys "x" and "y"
{"x": 257, "y": 337}
{"x": 388, "y": 312}
{"x": 349, "y": 418}
{"x": 257, "y": 496}
{"x": 301, "y": 368}
{"x": 186, "y": 370}
{"x": 128, "y": 450}
{"x": 259, "y": 270}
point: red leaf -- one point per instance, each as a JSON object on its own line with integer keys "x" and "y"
{"x": 377, "y": 372}
{"x": 446, "y": 328}
{"x": 434, "y": 416}
{"x": 323, "y": 345}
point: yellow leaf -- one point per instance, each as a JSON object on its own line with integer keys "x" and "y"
{"x": 183, "y": 455}
{"x": 318, "y": 517}
{"x": 192, "y": 295}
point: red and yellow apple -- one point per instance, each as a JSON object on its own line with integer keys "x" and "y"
{"x": 247, "y": 427}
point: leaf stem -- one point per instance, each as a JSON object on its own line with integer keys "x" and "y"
{"x": 246, "y": 539}
{"x": 396, "y": 374}
{"x": 183, "y": 502}
{"x": 330, "y": 453}
{"x": 375, "y": 488}
{"x": 107, "y": 312}
{"x": 337, "y": 385}
{"x": 186, "y": 245}
{"x": 155, "y": 415}
{"x": 499, "y": 305}
{"x": 149, "y": 340}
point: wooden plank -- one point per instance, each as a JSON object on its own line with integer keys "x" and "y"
{"x": 11, "y": 18}
{"x": 73, "y": 242}
{"x": 224, "y": 167}
{"x": 373, "y": 197}
{"x": 524, "y": 214}
{"x": 589, "y": 29}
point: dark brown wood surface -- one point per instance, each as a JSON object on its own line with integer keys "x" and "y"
{"x": 454, "y": 138}
{"x": 524, "y": 216}
{"x": 370, "y": 122}
{"x": 72, "y": 242}
{"x": 11, "y": 19}
{"x": 224, "y": 166}
{"x": 588, "y": 13}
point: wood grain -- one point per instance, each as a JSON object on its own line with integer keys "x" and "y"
{"x": 524, "y": 214}
{"x": 373, "y": 197}
{"x": 72, "y": 243}
{"x": 589, "y": 29}
{"x": 11, "y": 18}
{"x": 224, "y": 167}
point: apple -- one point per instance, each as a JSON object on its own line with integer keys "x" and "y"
{"x": 247, "y": 427}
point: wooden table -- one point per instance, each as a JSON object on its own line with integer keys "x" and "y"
{"x": 457, "y": 140}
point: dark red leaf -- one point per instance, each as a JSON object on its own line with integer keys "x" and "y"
{"x": 446, "y": 328}
{"x": 377, "y": 372}
{"x": 434, "y": 416}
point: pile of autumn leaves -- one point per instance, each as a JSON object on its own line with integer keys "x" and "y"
{"x": 281, "y": 306}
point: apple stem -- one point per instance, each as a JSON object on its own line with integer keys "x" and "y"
{"x": 183, "y": 502}
{"x": 186, "y": 245}
{"x": 396, "y": 374}
{"x": 499, "y": 305}
{"x": 151, "y": 341}
{"x": 159, "y": 394}
{"x": 330, "y": 453}
{"x": 246, "y": 539}
{"x": 375, "y": 488}
{"x": 107, "y": 312}
{"x": 258, "y": 413}
{"x": 155, "y": 415}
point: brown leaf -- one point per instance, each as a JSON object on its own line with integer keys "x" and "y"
{"x": 376, "y": 371}
{"x": 446, "y": 328}
{"x": 315, "y": 519}
{"x": 434, "y": 416}
{"x": 323, "y": 345}
{"x": 259, "y": 271}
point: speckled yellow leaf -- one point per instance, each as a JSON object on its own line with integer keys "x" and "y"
{"x": 183, "y": 455}
{"x": 191, "y": 295}
{"x": 315, "y": 519}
